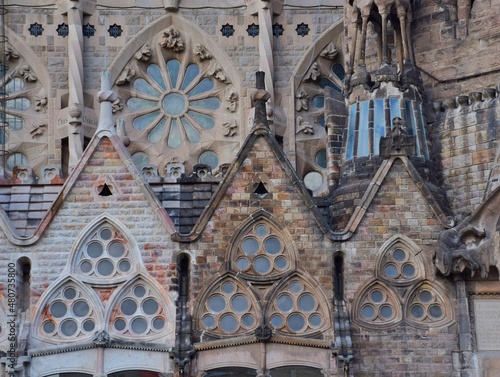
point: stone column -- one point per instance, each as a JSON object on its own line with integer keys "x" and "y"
{"x": 75, "y": 10}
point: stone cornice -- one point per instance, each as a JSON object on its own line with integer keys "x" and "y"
{"x": 277, "y": 339}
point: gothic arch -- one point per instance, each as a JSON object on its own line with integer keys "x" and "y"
{"x": 140, "y": 309}
{"x": 298, "y": 306}
{"x": 104, "y": 259}
{"x": 399, "y": 262}
{"x": 262, "y": 249}
{"x": 228, "y": 307}
{"x": 68, "y": 310}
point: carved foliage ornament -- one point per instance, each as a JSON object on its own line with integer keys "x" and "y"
{"x": 171, "y": 40}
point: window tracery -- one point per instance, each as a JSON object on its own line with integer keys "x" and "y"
{"x": 296, "y": 308}
{"x": 261, "y": 252}
{"x": 69, "y": 312}
{"x": 138, "y": 311}
{"x": 420, "y": 303}
{"x": 229, "y": 309}
{"x": 104, "y": 254}
{"x": 175, "y": 98}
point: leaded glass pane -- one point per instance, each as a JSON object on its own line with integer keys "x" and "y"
{"x": 144, "y": 87}
{"x": 141, "y": 104}
{"x": 120, "y": 324}
{"x": 250, "y": 246}
{"x": 94, "y": 249}
{"x": 49, "y": 327}
{"x": 105, "y": 267}
{"x": 319, "y": 102}
{"x": 391, "y": 270}
{"x": 173, "y": 71}
{"x": 276, "y": 320}
{"x": 408, "y": 270}
{"x": 296, "y": 322}
{"x": 143, "y": 121}
{"x": 284, "y": 302}
{"x": 280, "y": 263}
{"x": 377, "y": 296}
{"x": 386, "y": 312}
{"x": 128, "y": 307}
{"x": 174, "y": 136}
{"x": 338, "y": 70}
{"x": 139, "y": 291}
{"x": 124, "y": 265}
{"x": 16, "y": 159}
{"x": 192, "y": 133}
{"x": 116, "y": 249}
{"x": 261, "y": 264}
{"x": 139, "y": 325}
{"x": 435, "y": 311}
{"x": 368, "y": 311}
{"x": 18, "y": 104}
{"x": 307, "y": 302}
{"x": 150, "y": 306}
{"x": 211, "y": 103}
{"x": 351, "y": 131}
{"x": 69, "y": 327}
{"x": 14, "y": 85}
{"x": 209, "y": 321}
{"x": 69, "y": 293}
{"x": 272, "y": 245}
{"x": 399, "y": 255}
{"x": 363, "y": 135}
{"x": 321, "y": 158}
{"x": 425, "y": 296}
{"x": 174, "y": 104}
{"x": 89, "y": 325}
{"x": 315, "y": 320}
{"x": 192, "y": 72}
{"x": 158, "y": 323}
{"x": 209, "y": 158}
{"x": 58, "y": 309}
{"x": 155, "y": 72}
{"x": 240, "y": 303}
{"x": 204, "y": 86}
{"x": 228, "y": 322}
{"x": 247, "y": 320}
{"x": 205, "y": 121}
{"x": 15, "y": 123}
{"x": 80, "y": 308}
{"x": 155, "y": 135}
{"x": 261, "y": 230}
{"x": 378, "y": 123}
{"x": 417, "y": 311}
{"x": 228, "y": 287}
{"x": 217, "y": 303}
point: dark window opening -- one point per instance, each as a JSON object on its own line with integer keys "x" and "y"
{"x": 231, "y": 372}
{"x": 260, "y": 190}
{"x": 105, "y": 191}
{"x": 338, "y": 266}
{"x": 23, "y": 283}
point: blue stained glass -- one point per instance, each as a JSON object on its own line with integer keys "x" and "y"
{"x": 350, "y": 132}
{"x": 15, "y": 123}
{"x": 155, "y": 135}
{"x": 174, "y": 136}
{"x": 191, "y": 72}
{"x": 209, "y": 158}
{"x": 378, "y": 123}
{"x": 421, "y": 130}
{"x": 228, "y": 323}
{"x": 284, "y": 302}
{"x": 173, "y": 71}
{"x": 141, "y": 104}
{"x": 14, "y": 86}
{"x": 338, "y": 70}
{"x": 206, "y": 121}
{"x": 211, "y": 103}
{"x": 140, "y": 159}
{"x": 16, "y": 159}
{"x": 321, "y": 158}
{"x": 363, "y": 129}
{"x": 410, "y": 119}
{"x": 325, "y": 81}
{"x": 296, "y": 322}
{"x": 319, "y": 102}
{"x": 192, "y": 133}
{"x": 18, "y": 104}
{"x": 154, "y": 72}
{"x": 321, "y": 121}
{"x": 145, "y": 120}
{"x": 143, "y": 86}
{"x": 395, "y": 108}
{"x": 174, "y": 104}
{"x": 204, "y": 86}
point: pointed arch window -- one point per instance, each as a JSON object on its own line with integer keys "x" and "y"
{"x": 104, "y": 255}
{"x": 139, "y": 311}
{"x": 229, "y": 309}
{"x": 262, "y": 252}
{"x": 69, "y": 313}
{"x": 296, "y": 308}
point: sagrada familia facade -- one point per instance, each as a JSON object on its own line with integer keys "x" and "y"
{"x": 256, "y": 188}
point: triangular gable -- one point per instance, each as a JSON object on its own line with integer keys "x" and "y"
{"x": 235, "y": 168}
{"x": 375, "y": 184}
{"x": 113, "y": 144}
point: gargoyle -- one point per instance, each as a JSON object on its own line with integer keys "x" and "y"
{"x": 474, "y": 243}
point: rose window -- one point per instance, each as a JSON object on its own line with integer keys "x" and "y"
{"x": 296, "y": 309}
{"x": 68, "y": 315}
{"x": 139, "y": 312}
{"x": 174, "y": 105}
{"x": 104, "y": 255}
{"x": 262, "y": 253}
{"x": 229, "y": 310}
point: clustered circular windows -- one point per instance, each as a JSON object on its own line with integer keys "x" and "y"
{"x": 296, "y": 310}
{"x": 105, "y": 255}
{"x": 399, "y": 265}
{"x": 261, "y": 252}
{"x": 68, "y": 315}
{"x": 376, "y": 307}
{"x": 229, "y": 310}
{"x": 174, "y": 104}
{"x": 426, "y": 306}
{"x": 139, "y": 313}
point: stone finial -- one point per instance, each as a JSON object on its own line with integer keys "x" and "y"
{"x": 263, "y": 333}
{"x": 101, "y": 338}
{"x": 398, "y": 142}
{"x": 106, "y": 97}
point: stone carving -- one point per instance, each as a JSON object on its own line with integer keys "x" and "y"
{"x": 40, "y": 100}
{"x": 26, "y": 73}
{"x": 232, "y": 99}
{"x": 38, "y": 130}
{"x": 304, "y": 127}
{"x": 398, "y": 142}
{"x": 10, "y": 53}
{"x": 171, "y": 40}
{"x": 313, "y": 73}
{"x": 263, "y": 333}
{"x": 202, "y": 52}
{"x": 126, "y": 76}
{"x": 329, "y": 52}
{"x": 101, "y": 339}
{"x": 230, "y": 128}
{"x": 175, "y": 169}
{"x": 117, "y": 105}
{"x": 301, "y": 101}
{"x": 218, "y": 73}
{"x": 144, "y": 54}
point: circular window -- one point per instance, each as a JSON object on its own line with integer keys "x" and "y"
{"x": 116, "y": 249}
{"x": 417, "y": 311}
{"x": 69, "y": 327}
{"x": 69, "y": 293}
{"x": 81, "y": 309}
{"x": 425, "y": 296}
{"x": 85, "y": 267}
{"x": 124, "y": 265}
{"x": 315, "y": 320}
{"x": 242, "y": 263}
{"x": 435, "y": 311}
{"x": 247, "y": 320}
{"x": 295, "y": 287}
{"x": 250, "y": 246}
{"x": 128, "y": 307}
{"x": 272, "y": 245}
{"x": 217, "y": 303}
{"x": 119, "y": 325}
{"x": 58, "y": 309}
{"x": 150, "y": 306}
{"x": 277, "y": 320}
{"x": 386, "y": 311}
{"x": 377, "y": 296}
{"x": 307, "y": 303}
{"x": 261, "y": 264}
{"x": 94, "y": 249}
{"x": 391, "y": 270}
{"x": 106, "y": 234}
{"x": 209, "y": 321}
{"x": 158, "y": 323}
{"x": 409, "y": 270}
{"x": 261, "y": 231}
{"x": 228, "y": 322}
{"x": 313, "y": 181}
{"x": 228, "y": 287}
{"x": 105, "y": 267}
{"x": 296, "y": 322}
{"x": 321, "y": 158}
{"x": 139, "y": 291}
{"x": 284, "y": 303}
{"x": 368, "y": 311}
{"x": 209, "y": 158}
{"x": 49, "y": 327}
{"x": 240, "y": 303}
{"x": 139, "y": 325}
{"x": 89, "y": 325}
